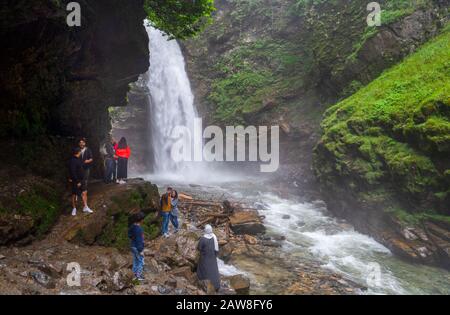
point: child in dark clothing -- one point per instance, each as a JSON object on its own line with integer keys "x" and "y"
{"x": 136, "y": 235}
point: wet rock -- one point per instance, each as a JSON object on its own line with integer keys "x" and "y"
{"x": 241, "y": 284}
{"x": 279, "y": 238}
{"x": 180, "y": 291}
{"x": 123, "y": 279}
{"x": 271, "y": 244}
{"x": 142, "y": 290}
{"x": 226, "y": 251}
{"x": 24, "y": 274}
{"x": 409, "y": 234}
{"x": 163, "y": 290}
{"x": 50, "y": 270}
{"x": 184, "y": 272}
{"x": 171, "y": 283}
{"x": 251, "y": 240}
{"x": 43, "y": 279}
{"x": 246, "y": 222}
{"x": 153, "y": 266}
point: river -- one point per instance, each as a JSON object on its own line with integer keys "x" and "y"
{"x": 311, "y": 233}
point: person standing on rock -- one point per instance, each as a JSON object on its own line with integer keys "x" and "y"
{"x": 123, "y": 153}
{"x": 173, "y": 215}
{"x": 76, "y": 176}
{"x": 87, "y": 161}
{"x": 208, "y": 268}
{"x": 166, "y": 208}
{"x": 136, "y": 235}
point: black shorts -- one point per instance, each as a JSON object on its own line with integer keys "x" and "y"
{"x": 75, "y": 189}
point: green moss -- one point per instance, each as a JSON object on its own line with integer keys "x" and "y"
{"x": 252, "y": 74}
{"x": 404, "y": 216}
{"x": 42, "y": 203}
{"x": 395, "y": 131}
{"x": 124, "y": 204}
{"x": 115, "y": 234}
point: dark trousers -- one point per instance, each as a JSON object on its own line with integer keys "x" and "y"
{"x": 111, "y": 170}
{"x": 122, "y": 168}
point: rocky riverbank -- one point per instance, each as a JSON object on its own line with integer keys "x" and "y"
{"x": 41, "y": 267}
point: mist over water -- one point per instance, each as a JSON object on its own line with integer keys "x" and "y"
{"x": 310, "y": 231}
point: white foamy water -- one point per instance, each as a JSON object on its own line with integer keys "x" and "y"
{"x": 310, "y": 231}
{"x": 309, "y": 227}
{"x": 171, "y": 99}
{"x": 228, "y": 270}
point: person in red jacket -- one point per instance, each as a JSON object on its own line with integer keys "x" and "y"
{"x": 123, "y": 153}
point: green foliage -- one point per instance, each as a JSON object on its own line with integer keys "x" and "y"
{"x": 252, "y": 74}
{"x": 179, "y": 18}
{"x": 395, "y": 131}
{"x": 116, "y": 233}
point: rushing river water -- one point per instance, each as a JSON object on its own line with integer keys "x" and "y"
{"x": 312, "y": 234}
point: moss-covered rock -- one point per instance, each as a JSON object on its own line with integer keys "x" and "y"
{"x": 113, "y": 205}
{"x": 386, "y": 148}
{"x": 29, "y": 206}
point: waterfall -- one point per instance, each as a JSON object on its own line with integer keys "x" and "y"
{"x": 171, "y": 99}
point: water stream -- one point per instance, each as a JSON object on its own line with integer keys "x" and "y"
{"x": 311, "y": 232}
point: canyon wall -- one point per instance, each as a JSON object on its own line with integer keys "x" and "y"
{"x": 57, "y": 83}
{"x": 285, "y": 62}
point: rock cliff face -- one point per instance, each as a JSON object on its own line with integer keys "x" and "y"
{"x": 386, "y": 149}
{"x": 56, "y": 85}
{"x": 132, "y": 122}
{"x": 284, "y": 62}
{"x": 60, "y": 80}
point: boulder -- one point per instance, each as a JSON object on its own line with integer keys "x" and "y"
{"x": 112, "y": 206}
{"x": 14, "y": 227}
{"x": 240, "y": 284}
{"x": 184, "y": 272}
{"x": 43, "y": 279}
{"x": 246, "y": 222}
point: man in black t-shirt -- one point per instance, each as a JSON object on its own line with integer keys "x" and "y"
{"x": 87, "y": 162}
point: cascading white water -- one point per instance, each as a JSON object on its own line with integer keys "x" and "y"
{"x": 307, "y": 227}
{"x": 171, "y": 98}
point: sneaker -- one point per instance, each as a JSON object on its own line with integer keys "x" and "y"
{"x": 166, "y": 235}
{"x": 87, "y": 210}
{"x": 74, "y": 212}
{"x": 176, "y": 231}
{"x": 117, "y": 181}
{"x": 122, "y": 182}
{"x": 140, "y": 278}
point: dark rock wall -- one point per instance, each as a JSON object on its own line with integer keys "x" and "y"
{"x": 56, "y": 84}
{"x": 60, "y": 80}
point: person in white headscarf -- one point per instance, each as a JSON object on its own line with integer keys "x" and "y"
{"x": 207, "y": 266}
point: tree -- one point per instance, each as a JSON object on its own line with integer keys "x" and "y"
{"x": 179, "y": 18}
